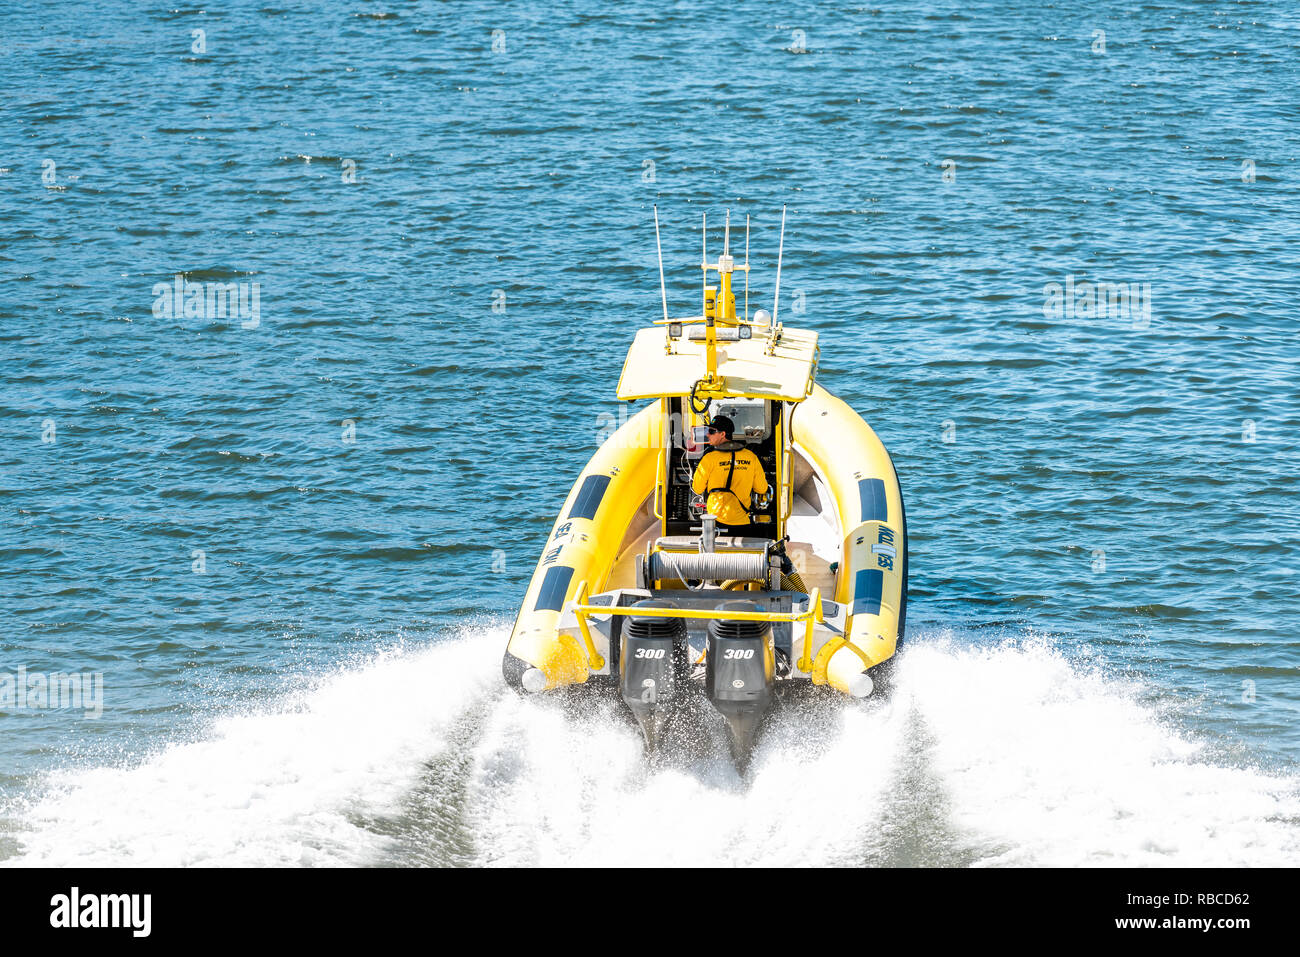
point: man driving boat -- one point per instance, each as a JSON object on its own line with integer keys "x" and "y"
{"x": 728, "y": 475}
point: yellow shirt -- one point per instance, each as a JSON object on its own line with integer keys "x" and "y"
{"x": 746, "y": 477}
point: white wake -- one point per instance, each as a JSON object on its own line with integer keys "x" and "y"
{"x": 1005, "y": 754}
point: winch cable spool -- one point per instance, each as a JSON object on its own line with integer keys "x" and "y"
{"x": 709, "y": 566}
{"x": 651, "y": 570}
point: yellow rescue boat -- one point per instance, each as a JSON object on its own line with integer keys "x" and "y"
{"x": 638, "y": 587}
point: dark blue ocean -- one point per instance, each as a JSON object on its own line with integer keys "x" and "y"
{"x": 1050, "y": 249}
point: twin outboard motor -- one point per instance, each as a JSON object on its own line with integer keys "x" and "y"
{"x": 740, "y": 670}
{"x": 653, "y": 667}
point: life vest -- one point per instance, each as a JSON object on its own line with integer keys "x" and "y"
{"x": 728, "y": 477}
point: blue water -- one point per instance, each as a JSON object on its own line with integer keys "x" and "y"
{"x": 298, "y": 621}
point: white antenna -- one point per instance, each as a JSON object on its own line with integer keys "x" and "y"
{"x": 704, "y": 264}
{"x": 747, "y": 267}
{"x": 663, "y": 292}
{"x": 726, "y": 236}
{"x": 776, "y": 300}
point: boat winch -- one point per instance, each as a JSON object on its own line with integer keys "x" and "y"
{"x": 709, "y": 566}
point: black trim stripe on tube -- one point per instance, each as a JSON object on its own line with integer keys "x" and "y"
{"x": 589, "y": 496}
{"x": 871, "y": 493}
{"x": 868, "y": 587}
{"x": 550, "y": 597}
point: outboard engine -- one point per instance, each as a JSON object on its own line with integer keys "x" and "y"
{"x": 740, "y": 666}
{"x": 652, "y": 667}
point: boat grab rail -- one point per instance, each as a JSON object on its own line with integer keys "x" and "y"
{"x": 581, "y": 607}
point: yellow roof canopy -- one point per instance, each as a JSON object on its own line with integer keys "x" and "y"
{"x": 745, "y": 365}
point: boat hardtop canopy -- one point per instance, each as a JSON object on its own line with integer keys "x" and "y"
{"x": 740, "y": 357}
{"x": 770, "y": 363}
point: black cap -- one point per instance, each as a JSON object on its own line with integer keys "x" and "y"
{"x": 723, "y": 425}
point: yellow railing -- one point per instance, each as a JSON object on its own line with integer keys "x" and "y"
{"x": 581, "y": 608}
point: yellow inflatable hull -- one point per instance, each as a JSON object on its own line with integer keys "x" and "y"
{"x": 612, "y": 494}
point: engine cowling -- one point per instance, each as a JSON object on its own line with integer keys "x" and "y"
{"x": 740, "y": 672}
{"x": 652, "y": 666}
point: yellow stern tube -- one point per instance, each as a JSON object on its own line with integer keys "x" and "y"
{"x": 872, "y": 574}
{"x": 582, "y": 547}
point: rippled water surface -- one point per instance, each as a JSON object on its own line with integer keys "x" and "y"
{"x": 292, "y": 541}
